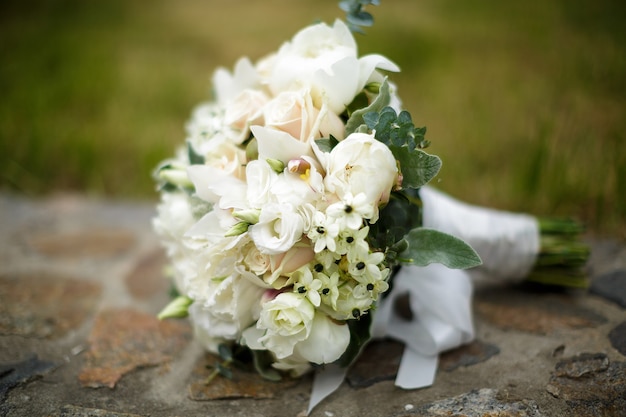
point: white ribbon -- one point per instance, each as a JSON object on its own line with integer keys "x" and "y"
{"x": 440, "y": 298}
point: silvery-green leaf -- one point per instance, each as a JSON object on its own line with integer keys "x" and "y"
{"x": 428, "y": 246}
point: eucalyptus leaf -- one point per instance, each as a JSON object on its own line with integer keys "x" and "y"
{"x": 224, "y": 371}
{"x": 355, "y": 15}
{"x": 396, "y": 129}
{"x": 381, "y": 101}
{"x": 428, "y": 246}
{"x": 417, "y": 167}
{"x": 326, "y": 144}
{"x": 263, "y": 364}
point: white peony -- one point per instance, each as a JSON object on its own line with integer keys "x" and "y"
{"x": 361, "y": 164}
{"x": 228, "y": 86}
{"x": 324, "y": 59}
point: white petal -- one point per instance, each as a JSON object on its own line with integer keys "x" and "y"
{"x": 275, "y": 144}
{"x": 326, "y": 342}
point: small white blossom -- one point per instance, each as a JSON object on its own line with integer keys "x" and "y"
{"x": 305, "y": 283}
{"x": 352, "y": 241}
{"x": 329, "y": 288}
{"x": 323, "y": 233}
{"x": 351, "y": 210}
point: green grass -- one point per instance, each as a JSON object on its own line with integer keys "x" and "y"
{"x": 525, "y": 103}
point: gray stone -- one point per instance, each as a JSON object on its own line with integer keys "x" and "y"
{"x": 611, "y": 286}
{"x": 125, "y": 339}
{"x": 581, "y": 365}
{"x": 617, "y": 336}
{"x": 467, "y": 355}
{"x": 74, "y": 411}
{"x": 45, "y": 305}
{"x": 590, "y": 386}
{"x": 378, "y": 362}
{"x": 538, "y": 313}
{"x": 91, "y": 243}
{"x": 147, "y": 278}
{"x": 13, "y": 374}
{"x": 476, "y": 403}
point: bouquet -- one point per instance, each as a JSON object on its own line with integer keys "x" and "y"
{"x": 298, "y": 211}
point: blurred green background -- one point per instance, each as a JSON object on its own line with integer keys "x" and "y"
{"x": 524, "y": 101}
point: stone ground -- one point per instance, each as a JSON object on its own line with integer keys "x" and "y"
{"x": 82, "y": 280}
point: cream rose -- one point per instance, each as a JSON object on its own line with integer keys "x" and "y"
{"x": 293, "y": 112}
{"x": 287, "y": 320}
{"x": 360, "y": 164}
{"x": 246, "y": 109}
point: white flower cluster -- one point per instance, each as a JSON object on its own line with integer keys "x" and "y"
{"x": 271, "y": 245}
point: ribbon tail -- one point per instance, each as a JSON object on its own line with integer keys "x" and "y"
{"x": 325, "y": 382}
{"x": 416, "y": 370}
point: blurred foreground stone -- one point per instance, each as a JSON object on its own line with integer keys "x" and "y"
{"x": 82, "y": 280}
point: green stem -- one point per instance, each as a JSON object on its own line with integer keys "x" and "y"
{"x": 563, "y": 256}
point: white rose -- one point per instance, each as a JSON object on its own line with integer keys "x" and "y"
{"x": 327, "y": 341}
{"x": 324, "y": 59}
{"x": 361, "y": 164}
{"x": 287, "y": 320}
{"x": 293, "y": 112}
{"x": 278, "y": 229}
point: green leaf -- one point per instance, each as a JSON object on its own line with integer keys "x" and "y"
{"x": 417, "y": 167}
{"x": 381, "y": 101}
{"x": 359, "y": 336}
{"x": 194, "y": 157}
{"x": 263, "y": 364}
{"x": 428, "y": 246}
